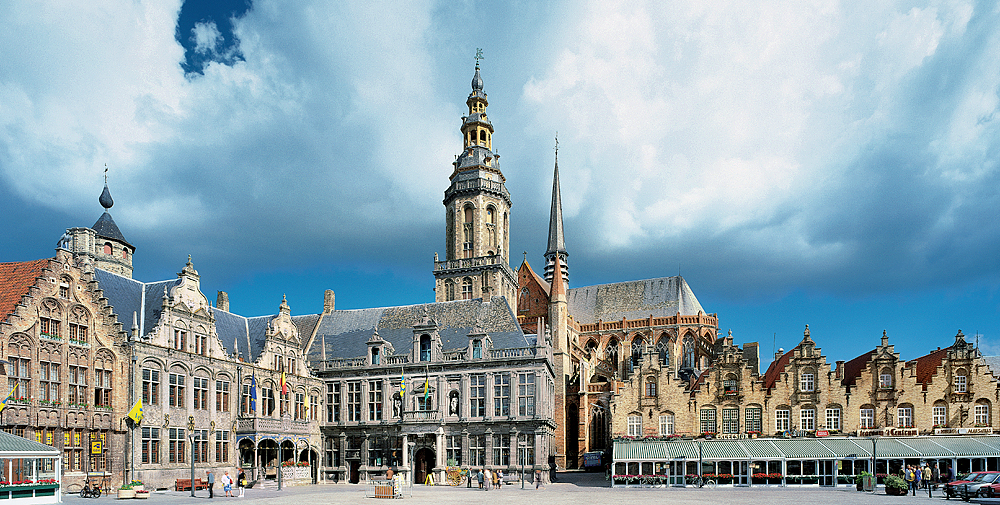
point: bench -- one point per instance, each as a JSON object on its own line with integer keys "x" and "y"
{"x": 185, "y": 484}
{"x": 511, "y": 478}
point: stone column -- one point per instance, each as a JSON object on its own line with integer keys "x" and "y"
{"x": 465, "y": 448}
{"x": 488, "y": 460}
{"x": 342, "y": 458}
{"x": 439, "y": 459}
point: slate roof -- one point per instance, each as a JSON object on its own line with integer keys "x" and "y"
{"x": 852, "y": 369}
{"x": 245, "y": 334}
{"x": 344, "y": 332}
{"x": 993, "y": 362}
{"x": 106, "y": 227}
{"x": 129, "y": 295}
{"x": 664, "y": 296}
{"x": 13, "y": 443}
{"x": 15, "y": 280}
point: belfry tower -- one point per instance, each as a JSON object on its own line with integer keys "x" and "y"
{"x": 477, "y": 216}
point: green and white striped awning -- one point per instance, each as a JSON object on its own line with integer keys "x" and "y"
{"x": 935, "y": 447}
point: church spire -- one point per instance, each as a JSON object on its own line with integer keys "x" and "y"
{"x": 557, "y": 242}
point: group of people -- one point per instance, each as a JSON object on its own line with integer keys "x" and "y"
{"x": 488, "y": 480}
{"x": 926, "y": 477}
{"x": 227, "y": 484}
{"x": 494, "y": 479}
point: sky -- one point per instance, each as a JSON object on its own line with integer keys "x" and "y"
{"x": 815, "y": 162}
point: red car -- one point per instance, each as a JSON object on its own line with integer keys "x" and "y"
{"x": 954, "y": 489}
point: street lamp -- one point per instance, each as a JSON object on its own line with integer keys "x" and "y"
{"x": 193, "y": 437}
{"x": 522, "y": 448}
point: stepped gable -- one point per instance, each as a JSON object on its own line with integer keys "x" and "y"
{"x": 126, "y": 296}
{"x": 344, "y": 332}
{"x": 852, "y": 369}
{"x": 15, "y": 281}
{"x": 926, "y": 366}
{"x": 660, "y": 297}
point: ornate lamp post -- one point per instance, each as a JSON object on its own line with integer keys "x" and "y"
{"x": 193, "y": 437}
{"x": 522, "y": 449}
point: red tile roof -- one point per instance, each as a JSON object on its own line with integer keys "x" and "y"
{"x": 15, "y": 279}
{"x": 852, "y": 369}
{"x": 777, "y": 367}
{"x": 927, "y": 365}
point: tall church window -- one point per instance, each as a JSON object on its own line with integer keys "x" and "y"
{"x": 663, "y": 351}
{"x": 689, "y": 353}
{"x": 449, "y": 290}
{"x": 637, "y": 344}
{"x": 466, "y": 288}
{"x": 611, "y": 353}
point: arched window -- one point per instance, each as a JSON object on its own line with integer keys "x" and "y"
{"x": 885, "y": 378}
{"x": 523, "y": 300}
{"x": 449, "y": 290}
{"x": 636, "y": 356}
{"x": 731, "y": 384}
{"x": 466, "y": 288}
{"x": 611, "y": 353}
{"x": 467, "y": 232}
{"x": 961, "y": 381}
{"x": 425, "y": 347}
{"x": 663, "y": 351}
{"x": 982, "y": 413}
{"x": 491, "y": 217}
{"x": 107, "y": 248}
{"x": 124, "y": 253}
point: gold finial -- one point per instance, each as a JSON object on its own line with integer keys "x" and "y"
{"x": 479, "y": 56}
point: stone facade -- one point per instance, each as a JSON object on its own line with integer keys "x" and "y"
{"x": 65, "y": 356}
{"x": 948, "y": 391}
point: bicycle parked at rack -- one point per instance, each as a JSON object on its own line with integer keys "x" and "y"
{"x": 709, "y": 483}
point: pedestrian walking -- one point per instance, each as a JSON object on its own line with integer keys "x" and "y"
{"x": 241, "y": 482}
{"x": 489, "y": 479}
{"x": 211, "y": 483}
{"x": 925, "y": 477}
{"x": 935, "y": 475}
{"x": 538, "y": 478}
{"x": 480, "y": 477}
{"x": 499, "y": 479}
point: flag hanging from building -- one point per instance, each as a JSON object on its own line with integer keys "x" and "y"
{"x": 284, "y": 385}
{"x": 3, "y": 404}
{"x": 402, "y": 383}
{"x": 427, "y": 387}
{"x": 253, "y": 394}
{"x": 136, "y": 413}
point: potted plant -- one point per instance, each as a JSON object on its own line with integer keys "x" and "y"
{"x": 895, "y": 485}
{"x": 126, "y": 492}
{"x": 860, "y": 480}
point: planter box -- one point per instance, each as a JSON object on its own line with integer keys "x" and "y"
{"x": 142, "y": 495}
{"x": 126, "y": 494}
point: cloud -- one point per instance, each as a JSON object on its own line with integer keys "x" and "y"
{"x": 206, "y": 37}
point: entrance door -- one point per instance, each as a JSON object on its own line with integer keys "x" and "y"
{"x": 423, "y": 461}
{"x": 677, "y": 473}
{"x": 741, "y": 473}
{"x": 355, "y": 467}
{"x": 827, "y": 477}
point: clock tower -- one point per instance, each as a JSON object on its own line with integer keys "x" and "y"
{"x": 477, "y": 215}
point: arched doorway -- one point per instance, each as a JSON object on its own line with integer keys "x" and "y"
{"x": 246, "y": 459}
{"x": 267, "y": 458}
{"x": 423, "y": 462}
{"x": 287, "y": 451}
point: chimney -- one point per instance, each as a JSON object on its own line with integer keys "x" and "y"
{"x": 840, "y": 369}
{"x": 222, "y": 301}
{"x": 329, "y": 301}
{"x": 777, "y": 355}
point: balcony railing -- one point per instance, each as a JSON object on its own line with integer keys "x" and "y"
{"x": 627, "y": 324}
{"x": 271, "y": 425}
{"x": 478, "y": 261}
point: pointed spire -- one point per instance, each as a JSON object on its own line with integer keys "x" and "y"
{"x": 557, "y": 241}
{"x": 558, "y": 291}
{"x": 477, "y": 80}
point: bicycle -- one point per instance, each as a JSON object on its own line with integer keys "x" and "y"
{"x": 90, "y": 492}
{"x": 709, "y": 483}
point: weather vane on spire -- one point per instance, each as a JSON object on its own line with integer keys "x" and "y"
{"x": 479, "y": 56}
{"x": 105, "y": 174}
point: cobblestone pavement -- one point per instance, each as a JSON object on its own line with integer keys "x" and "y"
{"x": 571, "y": 489}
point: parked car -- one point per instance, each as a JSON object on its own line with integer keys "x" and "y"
{"x": 952, "y": 489}
{"x": 979, "y": 487}
{"x": 991, "y": 490}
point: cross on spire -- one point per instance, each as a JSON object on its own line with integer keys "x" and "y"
{"x": 105, "y": 174}
{"x": 479, "y": 56}
{"x": 557, "y": 148}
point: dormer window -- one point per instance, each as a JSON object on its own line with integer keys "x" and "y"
{"x": 375, "y": 356}
{"x": 477, "y": 349}
{"x": 885, "y": 379}
{"x": 425, "y": 348}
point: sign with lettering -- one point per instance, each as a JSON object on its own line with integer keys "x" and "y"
{"x": 822, "y": 433}
{"x": 96, "y": 447}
